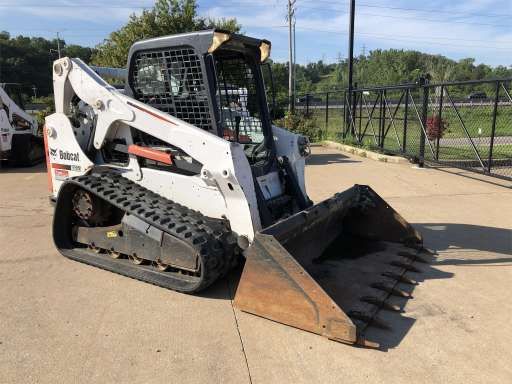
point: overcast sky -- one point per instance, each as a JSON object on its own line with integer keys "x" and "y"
{"x": 463, "y": 28}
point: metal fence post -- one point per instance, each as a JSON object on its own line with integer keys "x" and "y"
{"x": 440, "y": 121}
{"x": 385, "y": 105}
{"x": 307, "y": 104}
{"x": 326, "y": 113}
{"x": 382, "y": 125}
{"x": 424, "y": 123}
{"x": 360, "y": 112}
{"x": 493, "y": 129}
{"x": 344, "y": 115}
{"x": 406, "y": 112}
{"x": 354, "y": 109}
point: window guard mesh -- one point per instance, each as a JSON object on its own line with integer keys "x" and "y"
{"x": 171, "y": 80}
{"x": 238, "y": 100}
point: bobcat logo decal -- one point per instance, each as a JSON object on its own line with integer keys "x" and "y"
{"x": 53, "y": 153}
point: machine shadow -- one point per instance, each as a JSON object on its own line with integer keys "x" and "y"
{"x": 329, "y": 158}
{"x": 225, "y": 288}
{"x": 393, "y": 326}
{"x": 398, "y": 324}
{"x": 472, "y": 175}
{"x": 446, "y": 236}
{"x": 9, "y": 168}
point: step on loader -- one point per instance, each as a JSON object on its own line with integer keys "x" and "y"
{"x": 20, "y": 140}
{"x": 178, "y": 176}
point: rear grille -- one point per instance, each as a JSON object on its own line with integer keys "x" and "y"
{"x": 171, "y": 80}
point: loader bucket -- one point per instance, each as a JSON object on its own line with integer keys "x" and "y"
{"x": 325, "y": 269}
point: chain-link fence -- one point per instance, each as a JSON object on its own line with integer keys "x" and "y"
{"x": 461, "y": 124}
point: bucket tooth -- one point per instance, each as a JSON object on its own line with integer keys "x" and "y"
{"x": 420, "y": 259}
{"x": 363, "y": 342}
{"x": 405, "y": 266}
{"x": 379, "y": 323}
{"x": 381, "y": 303}
{"x": 369, "y": 319}
{"x": 391, "y": 290}
{"x": 412, "y": 256}
{"x": 400, "y": 278}
{"x": 364, "y": 317}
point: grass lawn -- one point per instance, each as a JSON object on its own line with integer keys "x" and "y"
{"x": 477, "y": 120}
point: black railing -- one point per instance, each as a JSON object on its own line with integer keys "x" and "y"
{"x": 465, "y": 124}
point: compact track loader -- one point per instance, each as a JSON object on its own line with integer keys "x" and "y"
{"x": 173, "y": 179}
{"x": 20, "y": 140}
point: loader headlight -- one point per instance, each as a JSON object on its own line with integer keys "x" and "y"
{"x": 304, "y": 146}
{"x": 219, "y": 38}
{"x": 264, "y": 50}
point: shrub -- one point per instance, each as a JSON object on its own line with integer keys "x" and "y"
{"x": 436, "y": 127}
{"x": 301, "y": 124}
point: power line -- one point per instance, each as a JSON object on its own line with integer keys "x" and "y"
{"x": 101, "y": 31}
{"x": 259, "y": 4}
{"x": 411, "y": 9}
{"x": 412, "y": 39}
{"x": 395, "y": 37}
{"x": 435, "y": 20}
{"x": 417, "y": 18}
{"x": 392, "y": 37}
{"x": 128, "y": 6}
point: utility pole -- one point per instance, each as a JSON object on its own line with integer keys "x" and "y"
{"x": 58, "y": 44}
{"x": 294, "y": 62}
{"x": 351, "y": 58}
{"x": 291, "y": 3}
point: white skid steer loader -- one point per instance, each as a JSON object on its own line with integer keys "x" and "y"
{"x": 173, "y": 179}
{"x": 20, "y": 141}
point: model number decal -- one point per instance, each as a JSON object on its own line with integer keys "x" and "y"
{"x": 61, "y": 174}
{"x": 74, "y": 168}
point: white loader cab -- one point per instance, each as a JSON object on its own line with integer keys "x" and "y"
{"x": 20, "y": 142}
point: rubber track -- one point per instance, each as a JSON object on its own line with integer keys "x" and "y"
{"x": 211, "y": 238}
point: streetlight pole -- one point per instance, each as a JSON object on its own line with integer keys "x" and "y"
{"x": 294, "y": 62}
{"x": 351, "y": 58}
{"x": 291, "y": 3}
{"x": 58, "y": 44}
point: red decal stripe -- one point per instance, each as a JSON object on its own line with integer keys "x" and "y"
{"x": 149, "y": 153}
{"x": 151, "y": 113}
{"x": 47, "y": 155}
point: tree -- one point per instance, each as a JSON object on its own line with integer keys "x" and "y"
{"x": 167, "y": 17}
{"x": 28, "y": 61}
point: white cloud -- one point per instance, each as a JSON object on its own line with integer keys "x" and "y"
{"x": 376, "y": 27}
{"x": 455, "y": 31}
{"x": 85, "y": 10}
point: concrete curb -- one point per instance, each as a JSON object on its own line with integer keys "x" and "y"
{"x": 365, "y": 153}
